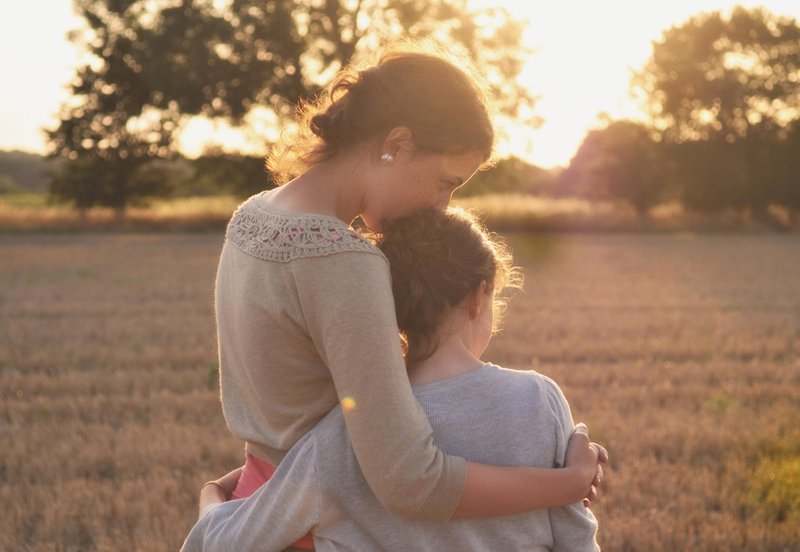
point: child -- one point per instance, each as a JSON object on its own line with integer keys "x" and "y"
{"x": 448, "y": 275}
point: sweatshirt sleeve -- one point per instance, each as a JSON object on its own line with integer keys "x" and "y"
{"x": 346, "y": 299}
{"x": 275, "y": 516}
{"x": 574, "y": 526}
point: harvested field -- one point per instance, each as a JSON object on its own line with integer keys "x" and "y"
{"x": 680, "y": 351}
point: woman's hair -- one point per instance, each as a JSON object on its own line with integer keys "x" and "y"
{"x": 436, "y": 95}
{"x": 436, "y": 260}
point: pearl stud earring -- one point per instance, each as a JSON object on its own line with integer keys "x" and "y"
{"x": 387, "y": 157}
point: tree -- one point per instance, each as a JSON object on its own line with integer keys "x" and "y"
{"x": 724, "y": 93}
{"x": 712, "y": 174}
{"x": 240, "y": 175}
{"x": 154, "y": 64}
{"x": 787, "y": 169}
{"x": 117, "y": 182}
{"x": 510, "y": 175}
{"x": 27, "y": 170}
{"x": 621, "y": 161}
{"x": 227, "y": 57}
{"x": 8, "y": 185}
{"x": 108, "y": 131}
{"x": 717, "y": 77}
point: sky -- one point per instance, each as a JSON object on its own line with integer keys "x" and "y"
{"x": 584, "y": 52}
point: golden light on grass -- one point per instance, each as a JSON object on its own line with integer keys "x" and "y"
{"x": 682, "y": 356}
{"x": 31, "y": 212}
{"x": 506, "y": 212}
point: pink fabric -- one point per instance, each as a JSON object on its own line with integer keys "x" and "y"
{"x": 256, "y": 472}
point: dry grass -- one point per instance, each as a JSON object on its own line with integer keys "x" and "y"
{"x": 681, "y": 352}
{"x": 31, "y": 212}
{"x": 504, "y": 212}
{"x": 527, "y": 213}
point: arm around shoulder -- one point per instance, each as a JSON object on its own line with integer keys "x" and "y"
{"x": 348, "y": 306}
{"x": 347, "y": 302}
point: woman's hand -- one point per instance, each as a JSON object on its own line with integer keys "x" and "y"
{"x": 588, "y": 458}
{"x": 219, "y": 490}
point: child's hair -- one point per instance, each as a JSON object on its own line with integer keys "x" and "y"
{"x": 436, "y": 260}
{"x": 433, "y": 93}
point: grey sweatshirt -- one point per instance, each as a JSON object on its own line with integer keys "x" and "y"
{"x": 489, "y": 415}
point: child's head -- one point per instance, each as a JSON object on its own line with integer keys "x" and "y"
{"x": 439, "y": 262}
{"x": 431, "y": 93}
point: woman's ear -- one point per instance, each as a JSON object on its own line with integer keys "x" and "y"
{"x": 398, "y": 139}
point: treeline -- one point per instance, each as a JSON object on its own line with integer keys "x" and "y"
{"x": 85, "y": 184}
{"x": 721, "y": 92}
{"x": 24, "y": 172}
{"x": 155, "y": 65}
{"x": 214, "y": 173}
{"x": 723, "y": 97}
{"x": 629, "y": 161}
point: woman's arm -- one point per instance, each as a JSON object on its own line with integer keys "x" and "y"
{"x": 492, "y": 491}
{"x": 347, "y": 302}
{"x": 486, "y": 485}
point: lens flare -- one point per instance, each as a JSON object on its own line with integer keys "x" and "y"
{"x": 348, "y": 404}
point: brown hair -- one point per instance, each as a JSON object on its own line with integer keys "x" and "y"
{"x": 431, "y": 92}
{"x": 437, "y": 259}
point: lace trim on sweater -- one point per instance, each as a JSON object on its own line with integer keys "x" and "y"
{"x": 282, "y": 237}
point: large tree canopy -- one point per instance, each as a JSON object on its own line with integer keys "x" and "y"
{"x": 717, "y": 77}
{"x": 225, "y": 57}
{"x": 154, "y": 64}
{"x": 724, "y": 97}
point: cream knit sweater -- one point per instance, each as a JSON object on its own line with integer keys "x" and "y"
{"x": 305, "y": 319}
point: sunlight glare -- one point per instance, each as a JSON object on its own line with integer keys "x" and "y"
{"x": 583, "y": 55}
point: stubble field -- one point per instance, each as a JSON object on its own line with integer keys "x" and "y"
{"x": 681, "y": 352}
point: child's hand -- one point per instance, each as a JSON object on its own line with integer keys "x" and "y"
{"x": 588, "y": 458}
{"x": 229, "y": 480}
{"x": 219, "y": 490}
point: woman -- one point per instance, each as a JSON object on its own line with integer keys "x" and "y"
{"x": 305, "y": 314}
{"x": 447, "y": 277}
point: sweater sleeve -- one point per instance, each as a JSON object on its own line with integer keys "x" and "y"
{"x": 574, "y": 526}
{"x": 347, "y": 303}
{"x": 275, "y": 516}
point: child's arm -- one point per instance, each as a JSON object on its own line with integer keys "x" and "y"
{"x": 279, "y": 513}
{"x": 574, "y": 529}
{"x": 574, "y": 526}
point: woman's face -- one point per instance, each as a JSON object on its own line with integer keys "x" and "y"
{"x": 416, "y": 180}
